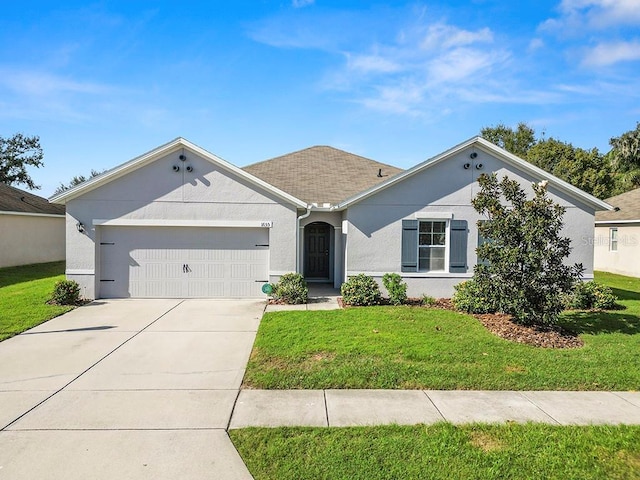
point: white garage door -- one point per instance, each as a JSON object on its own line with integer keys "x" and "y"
{"x": 183, "y": 262}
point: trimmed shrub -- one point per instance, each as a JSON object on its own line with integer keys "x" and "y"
{"x": 291, "y": 289}
{"x": 396, "y": 288}
{"x": 468, "y": 297}
{"x": 592, "y": 295}
{"x": 360, "y": 290}
{"x": 66, "y": 292}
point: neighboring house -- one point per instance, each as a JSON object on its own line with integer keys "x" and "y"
{"x": 181, "y": 222}
{"x": 31, "y": 229}
{"x": 617, "y": 236}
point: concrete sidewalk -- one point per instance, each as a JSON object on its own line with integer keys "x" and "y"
{"x": 343, "y": 408}
{"x": 126, "y": 389}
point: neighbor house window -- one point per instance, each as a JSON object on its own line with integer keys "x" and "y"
{"x": 432, "y": 241}
{"x": 613, "y": 239}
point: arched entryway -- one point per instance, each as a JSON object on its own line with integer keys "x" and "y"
{"x": 318, "y": 252}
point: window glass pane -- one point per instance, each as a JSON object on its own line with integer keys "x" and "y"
{"x": 438, "y": 239}
{"x": 425, "y": 227}
{"x": 439, "y": 227}
{"x": 431, "y": 259}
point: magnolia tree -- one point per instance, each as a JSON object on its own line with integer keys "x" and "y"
{"x": 522, "y": 269}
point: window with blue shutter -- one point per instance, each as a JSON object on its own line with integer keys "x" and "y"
{"x": 424, "y": 245}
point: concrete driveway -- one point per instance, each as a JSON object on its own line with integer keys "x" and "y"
{"x": 127, "y": 389}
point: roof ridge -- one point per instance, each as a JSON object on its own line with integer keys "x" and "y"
{"x": 295, "y": 152}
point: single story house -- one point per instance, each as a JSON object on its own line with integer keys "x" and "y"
{"x": 32, "y": 230}
{"x": 617, "y": 236}
{"x": 179, "y": 221}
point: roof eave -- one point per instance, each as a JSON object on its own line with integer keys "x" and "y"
{"x": 480, "y": 142}
{"x": 142, "y": 160}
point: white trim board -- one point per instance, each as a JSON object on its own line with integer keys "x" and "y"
{"x": 28, "y": 214}
{"x": 129, "y": 222}
{"x": 611, "y": 222}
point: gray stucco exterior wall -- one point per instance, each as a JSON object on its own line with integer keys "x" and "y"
{"x": 155, "y": 192}
{"x": 443, "y": 190}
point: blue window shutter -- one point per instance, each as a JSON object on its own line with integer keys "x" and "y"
{"x": 409, "y": 246}
{"x": 458, "y": 246}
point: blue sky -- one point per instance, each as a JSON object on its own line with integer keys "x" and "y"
{"x": 102, "y": 82}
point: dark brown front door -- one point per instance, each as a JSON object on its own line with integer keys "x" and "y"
{"x": 317, "y": 250}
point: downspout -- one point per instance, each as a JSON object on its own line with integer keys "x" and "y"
{"x": 301, "y": 217}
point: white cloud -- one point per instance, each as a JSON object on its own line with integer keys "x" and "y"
{"x": 34, "y": 83}
{"x": 460, "y": 64}
{"x": 605, "y": 54}
{"x": 578, "y": 16}
{"x": 302, "y": 3}
{"x": 371, "y": 63}
{"x": 448, "y": 36}
{"x": 400, "y": 99}
{"x": 536, "y": 44}
{"x": 603, "y": 13}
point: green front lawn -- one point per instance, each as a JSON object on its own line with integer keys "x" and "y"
{"x": 441, "y": 451}
{"x": 23, "y": 294}
{"x": 419, "y": 348}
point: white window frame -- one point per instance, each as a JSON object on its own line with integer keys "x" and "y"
{"x": 613, "y": 242}
{"x": 447, "y": 240}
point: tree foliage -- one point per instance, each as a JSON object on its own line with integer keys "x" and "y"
{"x": 588, "y": 170}
{"x": 16, "y": 154}
{"x": 522, "y": 272}
{"x": 517, "y": 141}
{"x": 625, "y": 158}
{"x": 601, "y": 175}
{"x": 76, "y": 180}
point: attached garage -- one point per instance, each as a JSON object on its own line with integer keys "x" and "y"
{"x": 182, "y": 262}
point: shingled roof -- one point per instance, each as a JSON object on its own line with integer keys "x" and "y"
{"x": 15, "y": 200}
{"x": 628, "y": 208}
{"x": 322, "y": 174}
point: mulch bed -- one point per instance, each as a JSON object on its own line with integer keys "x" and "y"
{"x": 501, "y": 325}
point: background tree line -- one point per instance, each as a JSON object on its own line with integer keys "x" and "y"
{"x": 602, "y": 175}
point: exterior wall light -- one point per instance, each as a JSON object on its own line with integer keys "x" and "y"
{"x": 80, "y": 227}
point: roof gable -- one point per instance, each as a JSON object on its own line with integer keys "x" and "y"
{"x": 15, "y": 200}
{"x": 488, "y": 147}
{"x": 322, "y": 175}
{"x": 627, "y": 208}
{"x": 161, "y": 152}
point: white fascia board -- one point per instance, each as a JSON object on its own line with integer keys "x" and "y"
{"x": 28, "y": 214}
{"x": 132, "y": 222}
{"x": 492, "y": 149}
{"x": 612, "y": 222}
{"x": 153, "y": 155}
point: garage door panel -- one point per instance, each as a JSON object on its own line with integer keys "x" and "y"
{"x": 182, "y": 262}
